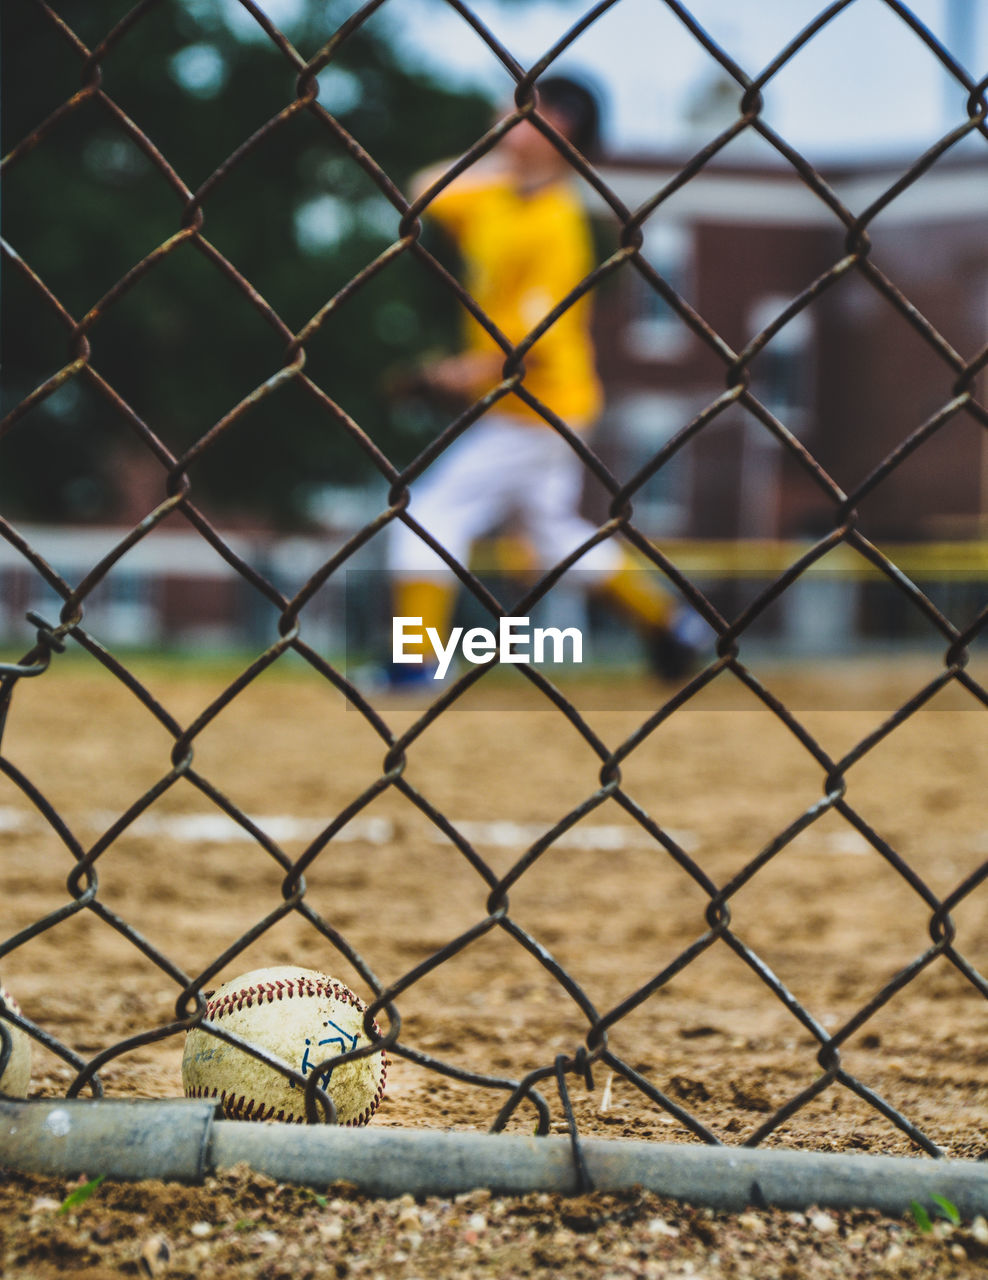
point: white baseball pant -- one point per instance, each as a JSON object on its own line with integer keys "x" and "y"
{"x": 500, "y": 469}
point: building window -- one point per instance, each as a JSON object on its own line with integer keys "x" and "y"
{"x": 656, "y": 331}
{"x": 782, "y": 372}
{"x": 645, "y": 423}
{"x": 782, "y": 381}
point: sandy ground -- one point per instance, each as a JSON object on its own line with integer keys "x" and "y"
{"x": 828, "y": 917}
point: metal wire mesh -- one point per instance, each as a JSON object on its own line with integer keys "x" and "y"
{"x": 190, "y": 235}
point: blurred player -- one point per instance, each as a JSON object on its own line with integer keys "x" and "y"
{"x": 524, "y": 243}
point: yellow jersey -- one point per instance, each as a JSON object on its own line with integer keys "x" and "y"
{"x": 522, "y": 253}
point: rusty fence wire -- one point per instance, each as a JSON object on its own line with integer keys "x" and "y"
{"x": 190, "y": 234}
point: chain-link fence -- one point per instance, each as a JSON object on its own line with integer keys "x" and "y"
{"x": 185, "y": 208}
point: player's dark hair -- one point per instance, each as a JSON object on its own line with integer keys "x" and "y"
{"x": 579, "y": 105}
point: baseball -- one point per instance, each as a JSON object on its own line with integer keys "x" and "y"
{"x": 299, "y": 1016}
{"x": 15, "y": 1080}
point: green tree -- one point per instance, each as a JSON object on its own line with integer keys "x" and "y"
{"x": 297, "y": 217}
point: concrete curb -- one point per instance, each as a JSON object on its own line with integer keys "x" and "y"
{"x": 186, "y": 1141}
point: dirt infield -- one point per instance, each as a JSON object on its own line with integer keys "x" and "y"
{"x": 828, "y": 915}
{"x": 243, "y": 1225}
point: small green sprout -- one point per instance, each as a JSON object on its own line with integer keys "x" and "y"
{"x": 80, "y": 1195}
{"x": 946, "y": 1210}
{"x": 921, "y": 1217}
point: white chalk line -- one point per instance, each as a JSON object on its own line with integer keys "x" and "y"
{"x": 218, "y": 828}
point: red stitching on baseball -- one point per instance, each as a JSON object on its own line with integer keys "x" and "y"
{"x": 271, "y": 991}
{"x": 9, "y": 1001}
{"x": 237, "y": 1108}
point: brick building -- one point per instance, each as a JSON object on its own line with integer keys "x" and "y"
{"x": 848, "y": 376}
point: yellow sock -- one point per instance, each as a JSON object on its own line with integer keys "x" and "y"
{"x": 636, "y": 591}
{"x": 428, "y": 599}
